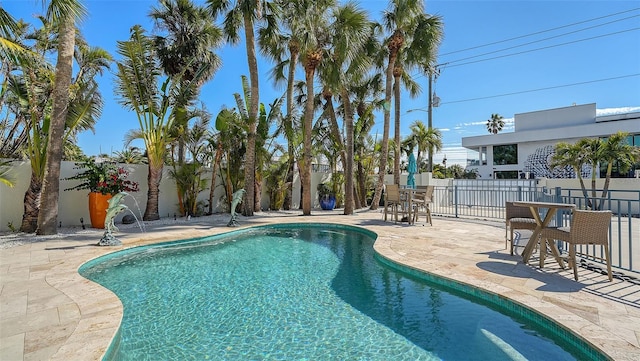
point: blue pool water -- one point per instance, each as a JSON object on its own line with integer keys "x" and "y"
{"x": 298, "y": 293}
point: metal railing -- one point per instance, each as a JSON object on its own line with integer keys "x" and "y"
{"x": 485, "y": 199}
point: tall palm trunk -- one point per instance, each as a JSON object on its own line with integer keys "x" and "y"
{"x": 307, "y": 125}
{"x": 385, "y": 132}
{"x": 362, "y": 186}
{"x": 335, "y": 130}
{"x": 290, "y": 149}
{"x": 348, "y": 169}
{"x": 214, "y": 173}
{"x": 396, "y": 110}
{"x": 605, "y": 187}
{"x": 249, "y": 170}
{"x": 48, "y": 215}
{"x": 31, "y": 205}
{"x": 151, "y": 213}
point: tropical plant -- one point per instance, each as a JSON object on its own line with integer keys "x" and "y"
{"x": 324, "y": 191}
{"x": 367, "y": 92}
{"x": 281, "y": 43}
{"x": 139, "y": 89}
{"x": 495, "y": 123}
{"x": 616, "y": 150}
{"x": 594, "y": 152}
{"x": 130, "y": 155}
{"x": 190, "y": 176}
{"x": 245, "y": 14}
{"x": 399, "y": 20}
{"x": 571, "y": 155}
{"x": 231, "y": 148}
{"x": 29, "y": 97}
{"x": 11, "y": 50}
{"x": 64, "y": 14}
{"x": 349, "y": 63}
{"x": 312, "y": 51}
{"x": 426, "y": 140}
{"x": 185, "y": 44}
{"x": 102, "y": 177}
{"x": 4, "y": 173}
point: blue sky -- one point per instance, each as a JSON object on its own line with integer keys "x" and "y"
{"x": 553, "y": 45}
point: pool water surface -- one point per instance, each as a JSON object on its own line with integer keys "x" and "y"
{"x": 298, "y": 292}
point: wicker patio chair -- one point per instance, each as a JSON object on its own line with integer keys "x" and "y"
{"x": 424, "y": 197}
{"x": 392, "y": 200}
{"x": 516, "y": 218}
{"x": 587, "y": 227}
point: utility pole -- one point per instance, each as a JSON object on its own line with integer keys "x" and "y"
{"x": 434, "y": 101}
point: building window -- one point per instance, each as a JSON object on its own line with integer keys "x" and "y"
{"x": 477, "y": 157}
{"x": 473, "y": 158}
{"x": 507, "y": 174}
{"x": 505, "y": 154}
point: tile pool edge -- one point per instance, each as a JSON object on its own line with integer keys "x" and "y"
{"x": 185, "y": 237}
{"x": 505, "y": 305}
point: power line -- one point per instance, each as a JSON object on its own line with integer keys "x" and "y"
{"x": 540, "y": 40}
{"x": 543, "y": 48}
{"x": 540, "y": 89}
{"x": 538, "y": 32}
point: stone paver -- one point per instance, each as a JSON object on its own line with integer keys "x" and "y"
{"x": 49, "y": 312}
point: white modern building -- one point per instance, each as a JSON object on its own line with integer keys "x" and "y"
{"x": 526, "y": 152}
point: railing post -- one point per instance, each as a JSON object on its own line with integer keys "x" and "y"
{"x": 558, "y": 199}
{"x": 455, "y": 200}
{"x": 520, "y": 193}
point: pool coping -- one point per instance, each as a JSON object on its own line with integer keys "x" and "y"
{"x": 99, "y": 311}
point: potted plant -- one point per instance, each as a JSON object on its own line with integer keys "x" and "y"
{"x": 103, "y": 180}
{"x": 326, "y": 197}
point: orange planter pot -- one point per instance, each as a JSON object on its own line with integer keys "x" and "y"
{"x": 98, "y": 205}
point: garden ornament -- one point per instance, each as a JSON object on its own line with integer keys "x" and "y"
{"x": 236, "y": 199}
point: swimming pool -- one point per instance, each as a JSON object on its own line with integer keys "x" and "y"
{"x": 294, "y": 291}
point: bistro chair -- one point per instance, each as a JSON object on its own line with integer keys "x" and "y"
{"x": 392, "y": 200}
{"x": 422, "y": 201}
{"x": 516, "y": 218}
{"x": 587, "y": 227}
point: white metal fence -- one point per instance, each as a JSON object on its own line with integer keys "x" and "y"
{"x": 485, "y": 199}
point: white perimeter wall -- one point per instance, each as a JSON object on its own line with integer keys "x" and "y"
{"x": 74, "y": 204}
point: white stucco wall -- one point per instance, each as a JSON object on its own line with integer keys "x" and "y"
{"x": 555, "y": 118}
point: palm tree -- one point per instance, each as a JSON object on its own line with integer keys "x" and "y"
{"x": 231, "y": 148}
{"x": 186, "y": 52}
{"x": 30, "y": 90}
{"x": 137, "y": 85}
{"x": 130, "y": 155}
{"x": 349, "y": 64}
{"x": 312, "y": 50}
{"x": 426, "y": 140}
{"x": 495, "y": 124}
{"x": 262, "y": 132}
{"x": 427, "y": 37}
{"x": 367, "y": 92}
{"x": 398, "y": 20}
{"x": 571, "y": 155}
{"x": 64, "y": 13}
{"x": 281, "y": 43}
{"x": 189, "y": 176}
{"x": 615, "y": 149}
{"x": 400, "y": 77}
{"x": 245, "y": 13}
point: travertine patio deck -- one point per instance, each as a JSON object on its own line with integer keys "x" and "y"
{"x": 49, "y": 312}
